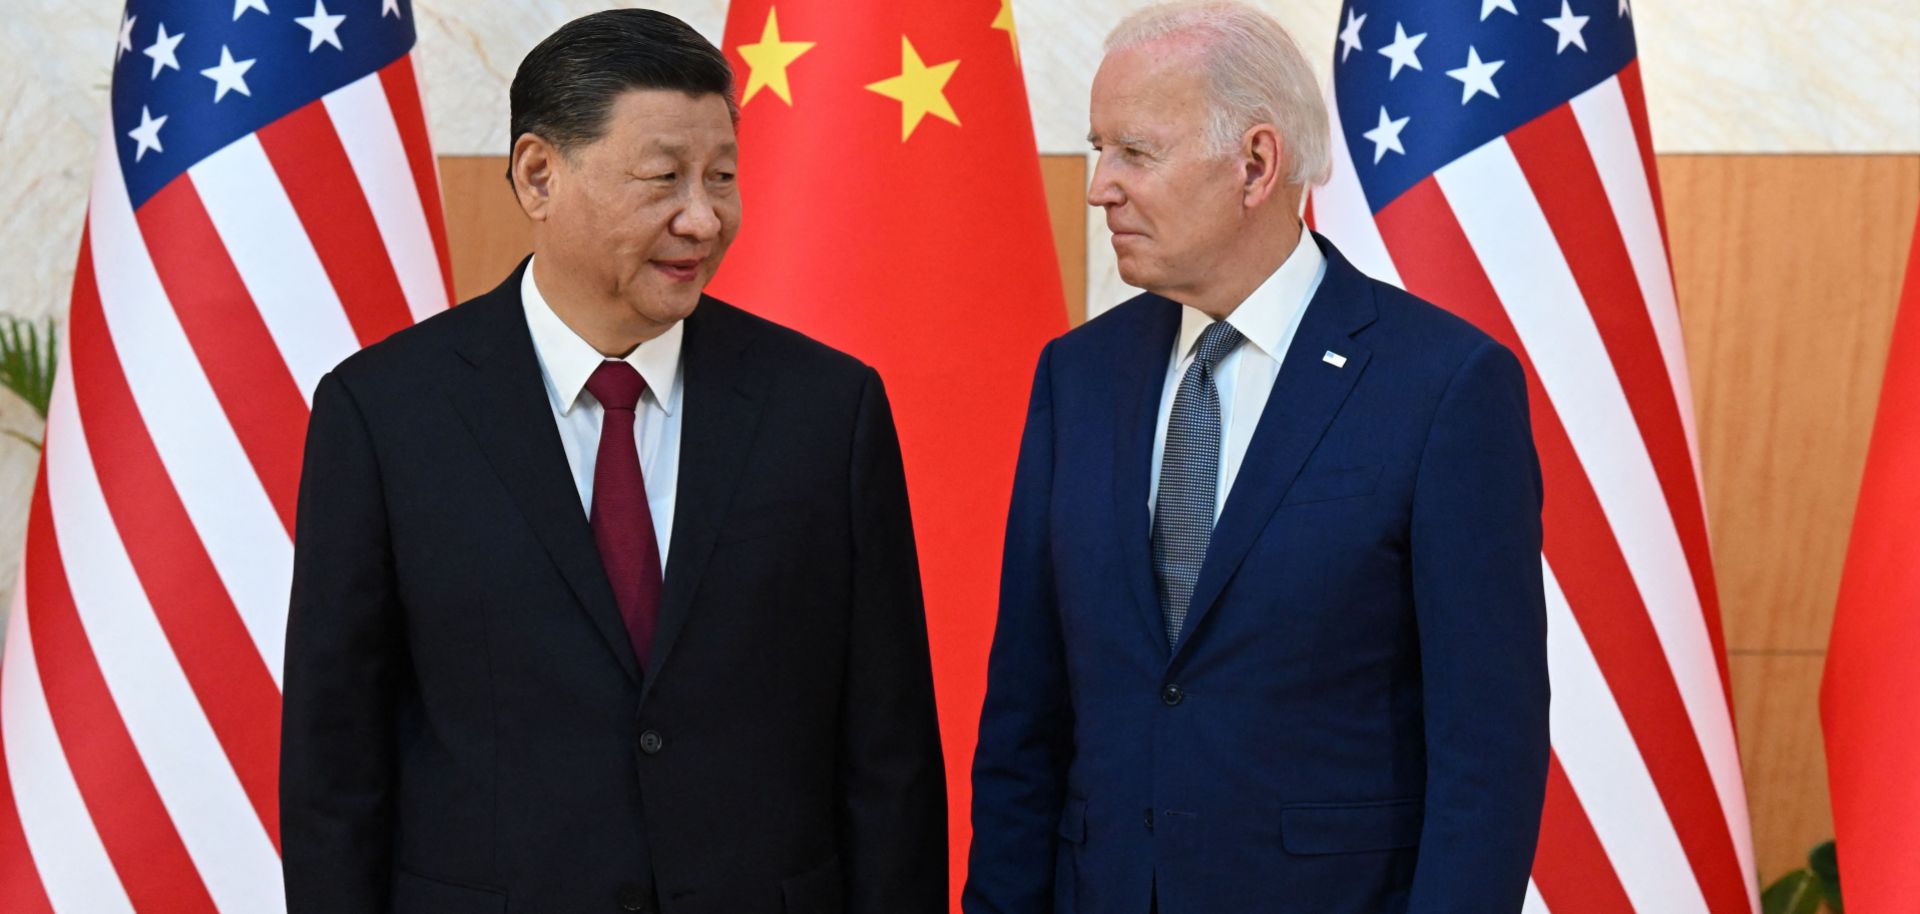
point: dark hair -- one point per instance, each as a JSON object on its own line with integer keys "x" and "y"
{"x": 567, "y": 83}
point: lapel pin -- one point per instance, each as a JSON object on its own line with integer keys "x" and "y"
{"x": 1335, "y": 359}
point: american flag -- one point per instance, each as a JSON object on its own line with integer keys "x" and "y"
{"x": 1492, "y": 156}
{"x": 264, "y": 203}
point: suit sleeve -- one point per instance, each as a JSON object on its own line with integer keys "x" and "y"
{"x": 1481, "y": 611}
{"x": 1026, "y": 725}
{"x": 893, "y": 781}
{"x": 345, "y": 652}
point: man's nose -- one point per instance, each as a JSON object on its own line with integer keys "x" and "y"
{"x": 1103, "y": 190}
{"x": 699, "y": 220}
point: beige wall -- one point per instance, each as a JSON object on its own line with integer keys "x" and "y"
{"x": 1745, "y": 76}
{"x": 1721, "y": 75}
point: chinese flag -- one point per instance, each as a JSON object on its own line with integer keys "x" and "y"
{"x": 1870, "y": 700}
{"x": 893, "y": 209}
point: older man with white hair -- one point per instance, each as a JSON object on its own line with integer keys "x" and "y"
{"x": 1272, "y": 631}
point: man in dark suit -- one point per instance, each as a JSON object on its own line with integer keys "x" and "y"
{"x": 605, "y": 595}
{"x": 1272, "y": 630}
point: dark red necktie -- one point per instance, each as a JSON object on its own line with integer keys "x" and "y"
{"x": 622, "y": 522}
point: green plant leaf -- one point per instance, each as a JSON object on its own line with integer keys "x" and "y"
{"x": 1797, "y": 892}
{"x": 1824, "y": 861}
{"x": 27, "y": 359}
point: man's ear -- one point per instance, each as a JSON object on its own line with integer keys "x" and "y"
{"x": 1260, "y": 162}
{"x": 533, "y": 166}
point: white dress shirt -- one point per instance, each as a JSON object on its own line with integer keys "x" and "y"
{"x": 1268, "y": 319}
{"x": 567, "y": 361}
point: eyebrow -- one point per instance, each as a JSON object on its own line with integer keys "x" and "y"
{"x": 681, "y": 149}
{"x": 1125, "y": 139}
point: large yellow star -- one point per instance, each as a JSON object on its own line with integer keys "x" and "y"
{"x": 1004, "y": 22}
{"x": 769, "y": 59}
{"x": 920, "y": 90}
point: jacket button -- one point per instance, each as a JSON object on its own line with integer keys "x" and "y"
{"x": 633, "y": 898}
{"x": 1172, "y": 694}
{"x": 1147, "y": 818}
{"x": 651, "y": 744}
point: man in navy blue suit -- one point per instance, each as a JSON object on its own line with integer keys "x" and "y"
{"x": 1272, "y": 633}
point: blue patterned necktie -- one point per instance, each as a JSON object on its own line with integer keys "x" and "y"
{"x": 1189, "y": 478}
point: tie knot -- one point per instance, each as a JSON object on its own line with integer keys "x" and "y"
{"x": 1215, "y": 342}
{"x": 616, "y": 385}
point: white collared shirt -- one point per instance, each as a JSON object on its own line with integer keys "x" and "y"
{"x": 1268, "y": 319}
{"x": 567, "y": 361}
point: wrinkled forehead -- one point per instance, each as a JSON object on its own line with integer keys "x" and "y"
{"x": 670, "y": 122}
{"x": 1158, "y": 88}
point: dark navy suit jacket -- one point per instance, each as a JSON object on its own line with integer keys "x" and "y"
{"x": 466, "y": 727}
{"x": 1354, "y": 720}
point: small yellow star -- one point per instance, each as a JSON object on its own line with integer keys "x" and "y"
{"x": 769, "y": 59}
{"x": 1004, "y": 22}
{"x": 920, "y": 89}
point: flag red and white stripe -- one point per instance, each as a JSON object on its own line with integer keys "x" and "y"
{"x": 140, "y": 687}
{"x": 1551, "y": 238}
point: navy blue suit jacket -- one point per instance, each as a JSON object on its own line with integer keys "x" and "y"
{"x": 1354, "y": 720}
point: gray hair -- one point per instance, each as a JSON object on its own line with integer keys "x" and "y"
{"x": 1257, "y": 75}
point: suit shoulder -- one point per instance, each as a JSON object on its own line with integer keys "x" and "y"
{"x": 1118, "y": 324}
{"x": 776, "y": 344}
{"x": 406, "y": 350}
{"x": 1407, "y": 320}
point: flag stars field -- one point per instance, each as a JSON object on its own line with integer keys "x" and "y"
{"x": 1386, "y": 136}
{"x": 768, "y": 60}
{"x": 229, "y": 76}
{"x": 241, "y": 6}
{"x": 324, "y": 28}
{"x": 1568, "y": 28}
{"x": 162, "y": 50}
{"x": 1477, "y": 76}
{"x": 919, "y": 87}
{"x": 147, "y": 135}
{"x": 1350, "y": 35}
{"x": 125, "y": 42}
{"x": 920, "y": 90}
{"x": 1403, "y": 50}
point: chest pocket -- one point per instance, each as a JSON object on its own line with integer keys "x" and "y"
{"x": 766, "y": 519}
{"x": 1327, "y": 485}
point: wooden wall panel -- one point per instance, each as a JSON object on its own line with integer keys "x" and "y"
{"x": 1066, "y": 180}
{"x": 1776, "y": 710}
{"x": 485, "y": 228}
{"x": 1788, "y": 270}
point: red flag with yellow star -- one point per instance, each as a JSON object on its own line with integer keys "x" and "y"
{"x": 893, "y": 209}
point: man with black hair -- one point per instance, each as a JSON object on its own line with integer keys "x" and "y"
{"x": 605, "y": 594}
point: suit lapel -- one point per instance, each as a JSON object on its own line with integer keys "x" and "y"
{"x": 1143, "y": 360}
{"x": 721, "y": 408}
{"x": 1306, "y": 396}
{"x": 505, "y": 406}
